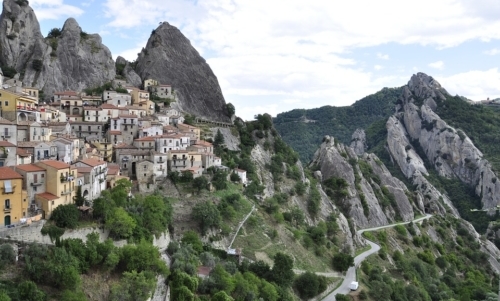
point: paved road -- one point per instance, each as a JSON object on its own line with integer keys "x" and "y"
{"x": 351, "y": 272}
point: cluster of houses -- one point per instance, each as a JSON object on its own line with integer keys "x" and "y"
{"x": 49, "y": 149}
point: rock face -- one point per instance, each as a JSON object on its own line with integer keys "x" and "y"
{"x": 75, "y": 60}
{"x": 447, "y": 149}
{"x": 170, "y": 58}
{"x": 358, "y": 142}
{"x": 369, "y": 185}
{"x": 129, "y": 73}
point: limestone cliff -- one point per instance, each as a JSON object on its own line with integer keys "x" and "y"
{"x": 373, "y": 197}
{"x": 448, "y": 150}
{"x": 72, "y": 60}
{"x": 358, "y": 141}
{"x": 129, "y": 72}
{"x": 170, "y": 58}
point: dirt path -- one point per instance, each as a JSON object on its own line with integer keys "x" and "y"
{"x": 240, "y": 225}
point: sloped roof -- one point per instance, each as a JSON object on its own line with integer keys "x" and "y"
{"x": 6, "y": 173}
{"x": 55, "y": 164}
{"x": 29, "y": 167}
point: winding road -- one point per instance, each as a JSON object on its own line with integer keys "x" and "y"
{"x": 351, "y": 272}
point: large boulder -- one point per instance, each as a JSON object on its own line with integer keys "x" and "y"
{"x": 170, "y": 58}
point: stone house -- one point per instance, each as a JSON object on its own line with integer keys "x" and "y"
{"x": 189, "y": 128}
{"x": 64, "y": 149}
{"x": 117, "y": 99}
{"x": 89, "y": 130}
{"x": 34, "y": 178}
{"x": 153, "y": 130}
{"x": 23, "y": 157}
{"x": 40, "y": 150}
{"x": 146, "y": 143}
{"x": 96, "y": 176}
{"x": 8, "y": 131}
{"x": 96, "y": 114}
{"x": 242, "y": 174}
{"x": 8, "y": 154}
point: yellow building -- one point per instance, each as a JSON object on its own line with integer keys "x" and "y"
{"x": 139, "y": 96}
{"x": 33, "y": 92}
{"x": 18, "y": 107}
{"x": 13, "y": 199}
{"x": 190, "y": 129}
{"x": 150, "y": 82}
{"x": 60, "y": 186}
{"x": 105, "y": 149}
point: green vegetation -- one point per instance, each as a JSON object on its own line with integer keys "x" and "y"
{"x": 481, "y": 123}
{"x": 54, "y": 33}
{"x": 8, "y": 71}
{"x": 98, "y": 90}
{"x": 455, "y": 269}
{"x": 339, "y": 122}
{"x": 37, "y": 65}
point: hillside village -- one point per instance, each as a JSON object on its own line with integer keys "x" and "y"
{"x": 83, "y": 142}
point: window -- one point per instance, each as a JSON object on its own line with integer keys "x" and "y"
{"x": 43, "y": 175}
{"x": 52, "y": 202}
{"x": 34, "y": 188}
{"x": 145, "y": 167}
{"x": 7, "y": 204}
{"x": 144, "y": 174}
{"x": 7, "y": 103}
{"x": 7, "y": 185}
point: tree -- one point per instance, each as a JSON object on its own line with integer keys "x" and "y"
{"x": 191, "y": 238}
{"x": 219, "y": 180}
{"x": 221, "y": 296}
{"x": 120, "y": 223}
{"x": 341, "y": 262}
{"x": 218, "y": 139}
{"x": 230, "y": 109}
{"x": 78, "y": 198}
{"x": 207, "y": 215}
{"x": 66, "y": 216}
{"x": 142, "y": 257}
{"x": 37, "y": 65}
{"x": 4, "y": 296}
{"x": 308, "y": 285}
{"x": 54, "y": 33}
{"x": 200, "y": 183}
{"x": 282, "y": 273}
{"x": 133, "y": 286}
{"x": 235, "y": 177}
{"x": 157, "y": 213}
{"x": 68, "y": 295}
{"x": 28, "y": 290}
{"x": 7, "y": 255}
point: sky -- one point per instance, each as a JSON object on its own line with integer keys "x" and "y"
{"x": 275, "y": 56}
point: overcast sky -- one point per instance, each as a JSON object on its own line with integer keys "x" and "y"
{"x": 273, "y": 56}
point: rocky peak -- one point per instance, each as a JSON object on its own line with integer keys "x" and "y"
{"x": 71, "y": 27}
{"x": 170, "y": 58}
{"x": 425, "y": 86}
{"x": 19, "y": 34}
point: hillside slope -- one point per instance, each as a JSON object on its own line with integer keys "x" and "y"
{"x": 303, "y": 129}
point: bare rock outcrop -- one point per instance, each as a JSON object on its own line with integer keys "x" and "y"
{"x": 170, "y": 58}
{"x": 71, "y": 60}
{"x": 448, "y": 150}
{"x": 129, "y": 73}
{"x": 365, "y": 200}
{"x": 358, "y": 142}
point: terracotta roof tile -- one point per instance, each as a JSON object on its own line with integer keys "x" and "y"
{"x": 47, "y": 195}
{"x": 92, "y": 162}
{"x": 29, "y": 167}
{"x": 6, "y": 173}
{"x": 55, "y": 164}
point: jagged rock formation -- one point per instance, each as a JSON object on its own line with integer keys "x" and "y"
{"x": 170, "y": 58}
{"x": 358, "y": 142}
{"x": 447, "y": 149}
{"x": 129, "y": 73}
{"x": 75, "y": 60}
{"x": 364, "y": 191}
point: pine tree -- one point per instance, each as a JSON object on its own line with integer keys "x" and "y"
{"x": 78, "y": 198}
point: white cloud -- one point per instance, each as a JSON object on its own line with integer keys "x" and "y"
{"x": 383, "y": 56}
{"x": 54, "y": 9}
{"x": 297, "y": 50}
{"x": 437, "y": 65}
{"x": 493, "y": 51}
{"x": 475, "y": 85}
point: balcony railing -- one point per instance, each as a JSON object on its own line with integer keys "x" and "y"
{"x": 6, "y": 209}
{"x": 66, "y": 179}
{"x": 36, "y": 184}
{"x": 66, "y": 192}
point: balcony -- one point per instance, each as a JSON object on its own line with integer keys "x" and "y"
{"x": 25, "y": 108}
{"x": 66, "y": 179}
{"x": 66, "y": 192}
{"x": 7, "y": 134}
{"x": 36, "y": 184}
{"x": 6, "y": 209}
